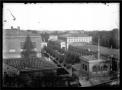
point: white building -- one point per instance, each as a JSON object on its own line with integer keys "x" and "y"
{"x": 92, "y": 67}
{"x": 76, "y": 38}
{"x": 53, "y": 37}
{"x": 43, "y": 44}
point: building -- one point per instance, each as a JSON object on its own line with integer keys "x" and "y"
{"x": 58, "y": 44}
{"x": 13, "y": 41}
{"x": 75, "y": 38}
{"x": 92, "y": 71}
{"x": 53, "y": 37}
{"x": 43, "y": 44}
{"x": 92, "y": 67}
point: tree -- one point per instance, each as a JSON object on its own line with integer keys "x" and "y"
{"x": 45, "y": 36}
{"x": 28, "y": 49}
{"x": 71, "y": 58}
{"x": 107, "y": 38}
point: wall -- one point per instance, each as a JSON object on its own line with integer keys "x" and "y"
{"x": 12, "y": 46}
{"x": 53, "y": 37}
{"x": 101, "y": 71}
{"x": 84, "y": 73}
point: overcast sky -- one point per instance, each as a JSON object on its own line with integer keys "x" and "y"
{"x": 61, "y": 16}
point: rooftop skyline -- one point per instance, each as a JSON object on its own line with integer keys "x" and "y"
{"x": 61, "y": 16}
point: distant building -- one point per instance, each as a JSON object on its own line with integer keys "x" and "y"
{"x": 53, "y": 37}
{"x": 59, "y": 44}
{"x": 43, "y": 44}
{"x": 76, "y": 38}
{"x": 13, "y": 41}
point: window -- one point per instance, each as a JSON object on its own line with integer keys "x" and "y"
{"x": 35, "y": 49}
{"x": 22, "y": 44}
{"x": 70, "y": 40}
{"x": 21, "y": 50}
{"x": 94, "y": 68}
{"x": 105, "y": 67}
{"x": 34, "y": 44}
{"x": 85, "y": 67}
{"x": 12, "y": 50}
{"x": 101, "y": 67}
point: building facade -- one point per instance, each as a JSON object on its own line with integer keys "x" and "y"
{"x": 53, "y": 37}
{"x": 75, "y": 38}
{"x": 92, "y": 67}
{"x": 13, "y": 41}
{"x": 43, "y": 44}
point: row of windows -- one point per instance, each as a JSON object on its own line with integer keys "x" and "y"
{"x": 33, "y": 43}
{"x": 99, "y": 68}
{"x": 13, "y": 50}
{"x": 21, "y": 45}
{"x": 96, "y": 68}
{"x": 79, "y": 40}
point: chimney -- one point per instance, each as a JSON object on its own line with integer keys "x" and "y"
{"x": 98, "y": 48}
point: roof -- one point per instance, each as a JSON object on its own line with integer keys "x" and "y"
{"x": 77, "y": 66}
{"x": 90, "y": 58}
{"x": 56, "y": 41}
{"x": 5, "y": 67}
{"x": 74, "y": 35}
{"x": 33, "y": 64}
{"x": 17, "y": 33}
{"x": 42, "y": 64}
{"x": 16, "y": 63}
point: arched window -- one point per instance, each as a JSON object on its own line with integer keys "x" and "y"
{"x": 105, "y": 67}
{"x": 83, "y": 66}
{"x": 101, "y": 68}
{"x": 94, "y": 68}
{"x": 98, "y": 68}
{"x": 86, "y": 67}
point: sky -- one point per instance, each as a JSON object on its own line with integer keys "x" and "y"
{"x": 61, "y": 16}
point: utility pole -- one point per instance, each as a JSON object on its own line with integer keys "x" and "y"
{"x": 98, "y": 50}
